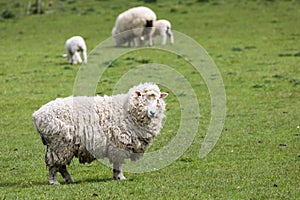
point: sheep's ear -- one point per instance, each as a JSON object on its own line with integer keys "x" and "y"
{"x": 163, "y": 95}
{"x": 138, "y": 93}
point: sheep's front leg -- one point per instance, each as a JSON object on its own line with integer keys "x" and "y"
{"x": 150, "y": 41}
{"x": 74, "y": 59}
{"x": 118, "y": 174}
{"x": 77, "y": 57}
{"x": 154, "y": 40}
{"x": 65, "y": 174}
{"x": 69, "y": 56}
{"x": 52, "y": 175}
{"x": 150, "y": 36}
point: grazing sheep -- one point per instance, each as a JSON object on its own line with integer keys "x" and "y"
{"x": 74, "y": 46}
{"x": 163, "y": 28}
{"x": 134, "y": 23}
{"x": 117, "y": 127}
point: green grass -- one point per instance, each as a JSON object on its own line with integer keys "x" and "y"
{"x": 255, "y": 45}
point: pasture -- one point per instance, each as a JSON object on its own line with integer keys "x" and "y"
{"x": 256, "y": 47}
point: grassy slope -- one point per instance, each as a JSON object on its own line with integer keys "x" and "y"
{"x": 252, "y": 42}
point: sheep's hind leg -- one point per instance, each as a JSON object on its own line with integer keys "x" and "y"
{"x": 52, "y": 175}
{"x": 65, "y": 174}
{"x": 117, "y": 171}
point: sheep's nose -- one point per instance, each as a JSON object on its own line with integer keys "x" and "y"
{"x": 152, "y": 113}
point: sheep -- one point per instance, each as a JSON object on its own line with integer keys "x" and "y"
{"x": 117, "y": 127}
{"x": 134, "y": 23}
{"x": 163, "y": 28}
{"x": 74, "y": 46}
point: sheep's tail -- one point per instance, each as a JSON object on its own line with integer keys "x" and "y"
{"x": 37, "y": 129}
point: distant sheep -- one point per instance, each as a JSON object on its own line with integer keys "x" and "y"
{"x": 163, "y": 28}
{"x": 117, "y": 127}
{"x": 134, "y": 23}
{"x": 74, "y": 46}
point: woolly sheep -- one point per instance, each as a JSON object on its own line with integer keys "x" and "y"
{"x": 134, "y": 23}
{"x": 163, "y": 28}
{"x": 117, "y": 127}
{"x": 74, "y": 46}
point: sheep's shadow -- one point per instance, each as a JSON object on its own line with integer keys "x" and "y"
{"x": 22, "y": 184}
{"x": 93, "y": 180}
{"x": 45, "y": 183}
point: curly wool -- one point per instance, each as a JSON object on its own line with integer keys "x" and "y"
{"x": 91, "y": 128}
{"x": 74, "y": 46}
{"x": 163, "y": 28}
{"x": 131, "y": 23}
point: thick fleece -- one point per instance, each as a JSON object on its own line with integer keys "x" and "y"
{"x": 117, "y": 127}
{"x": 163, "y": 28}
{"x": 74, "y": 46}
{"x": 134, "y": 23}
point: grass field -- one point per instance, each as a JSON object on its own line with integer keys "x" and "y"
{"x": 256, "y": 46}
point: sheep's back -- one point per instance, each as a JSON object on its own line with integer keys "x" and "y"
{"x": 66, "y": 119}
{"x": 134, "y": 18}
{"x": 75, "y": 43}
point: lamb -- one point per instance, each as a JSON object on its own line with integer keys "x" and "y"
{"x": 134, "y": 23}
{"x": 74, "y": 46}
{"x": 163, "y": 28}
{"x": 117, "y": 127}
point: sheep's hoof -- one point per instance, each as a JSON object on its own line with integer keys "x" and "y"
{"x": 69, "y": 181}
{"x": 120, "y": 178}
{"x": 54, "y": 182}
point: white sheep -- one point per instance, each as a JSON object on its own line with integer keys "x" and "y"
{"x": 74, "y": 46}
{"x": 134, "y": 23}
{"x": 117, "y": 127}
{"x": 163, "y": 28}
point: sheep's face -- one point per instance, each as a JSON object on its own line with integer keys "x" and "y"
{"x": 152, "y": 101}
{"x": 146, "y": 103}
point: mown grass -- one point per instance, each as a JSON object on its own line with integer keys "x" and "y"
{"x": 256, "y": 46}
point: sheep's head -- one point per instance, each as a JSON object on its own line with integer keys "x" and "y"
{"x": 147, "y": 102}
{"x": 152, "y": 101}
